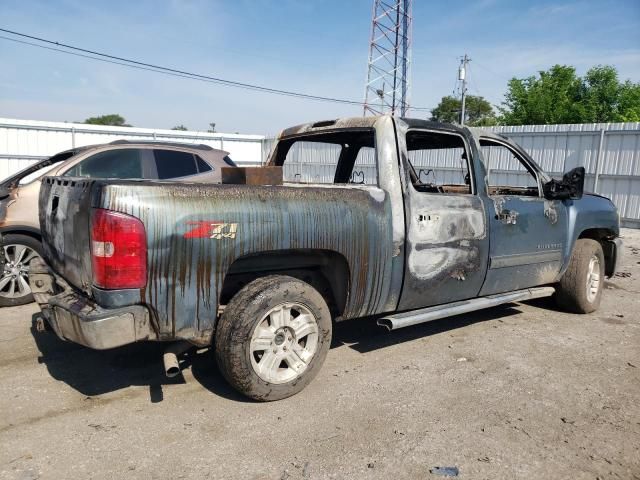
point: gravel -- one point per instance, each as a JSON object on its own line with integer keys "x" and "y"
{"x": 518, "y": 391}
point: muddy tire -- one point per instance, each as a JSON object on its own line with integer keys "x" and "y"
{"x": 18, "y": 251}
{"x": 580, "y": 289}
{"x": 273, "y": 337}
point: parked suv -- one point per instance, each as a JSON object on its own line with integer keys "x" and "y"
{"x": 121, "y": 159}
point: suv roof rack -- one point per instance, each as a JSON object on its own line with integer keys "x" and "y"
{"x": 197, "y": 146}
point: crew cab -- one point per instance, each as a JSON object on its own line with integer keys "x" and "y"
{"x": 403, "y": 220}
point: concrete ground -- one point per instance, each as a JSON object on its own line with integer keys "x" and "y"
{"x": 519, "y": 391}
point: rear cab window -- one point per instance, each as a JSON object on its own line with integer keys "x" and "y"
{"x": 337, "y": 157}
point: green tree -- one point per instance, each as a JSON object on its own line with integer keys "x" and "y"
{"x": 600, "y": 94}
{"x": 628, "y": 102}
{"x": 548, "y": 98}
{"x": 558, "y": 95}
{"x": 478, "y": 111}
{"x": 180, "y": 127}
{"x": 112, "y": 119}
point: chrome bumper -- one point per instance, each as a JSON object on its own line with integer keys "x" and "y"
{"x": 76, "y": 318}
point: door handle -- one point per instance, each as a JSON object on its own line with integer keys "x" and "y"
{"x": 508, "y": 217}
{"x": 425, "y": 217}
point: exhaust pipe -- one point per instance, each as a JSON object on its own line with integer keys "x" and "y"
{"x": 170, "y": 358}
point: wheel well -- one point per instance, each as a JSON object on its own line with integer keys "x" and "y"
{"x": 325, "y": 270}
{"x": 602, "y": 236}
{"x": 28, "y": 233}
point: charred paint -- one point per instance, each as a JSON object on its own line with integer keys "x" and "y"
{"x": 350, "y": 221}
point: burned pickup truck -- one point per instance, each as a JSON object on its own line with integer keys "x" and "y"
{"x": 402, "y": 220}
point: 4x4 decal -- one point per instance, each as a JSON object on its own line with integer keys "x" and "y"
{"x": 211, "y": 229}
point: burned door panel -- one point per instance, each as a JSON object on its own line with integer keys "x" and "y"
{"x": 446, "y": 249}
{"x": 447, "y": 244}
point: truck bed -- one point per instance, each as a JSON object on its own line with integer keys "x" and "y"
{"x": 196, "y": 234}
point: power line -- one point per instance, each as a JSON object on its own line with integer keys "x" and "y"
{"x": 126, "y": 62}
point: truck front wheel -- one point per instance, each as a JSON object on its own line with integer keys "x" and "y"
{"x": 580, "y": 289}
{"x": 273, "y": 337}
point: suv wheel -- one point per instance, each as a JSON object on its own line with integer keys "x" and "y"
{"x": 18, "y": 251}
{"x": 273, "y": 337}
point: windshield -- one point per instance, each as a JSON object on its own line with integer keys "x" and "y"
{"x": 34, "y": 171}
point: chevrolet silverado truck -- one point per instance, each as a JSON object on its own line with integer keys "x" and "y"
{"x": 403, "y": 220}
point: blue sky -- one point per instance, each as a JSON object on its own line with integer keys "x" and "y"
{"x": 317, "y": 47}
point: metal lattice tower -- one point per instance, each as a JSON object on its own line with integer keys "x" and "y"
{"x": 387, "y": 87}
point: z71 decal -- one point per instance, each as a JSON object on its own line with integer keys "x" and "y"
{"x": 208, "y": 229}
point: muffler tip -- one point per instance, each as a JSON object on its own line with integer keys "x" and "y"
{"x": 171, "y": 364}
{"x": 170, "y": 358}
{"x": 386, "y": 323}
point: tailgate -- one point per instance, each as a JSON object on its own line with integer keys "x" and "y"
{"x": 65, "y": 212}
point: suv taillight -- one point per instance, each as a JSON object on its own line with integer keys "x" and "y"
{"x": 118, "y": 250}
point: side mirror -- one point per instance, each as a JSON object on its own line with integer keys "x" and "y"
{"x": 569, "y": 188}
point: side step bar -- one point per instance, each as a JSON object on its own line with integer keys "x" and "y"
{"x": 406, "y": 319}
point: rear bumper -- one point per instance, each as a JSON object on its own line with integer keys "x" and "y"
{"x": 76, "y": 318}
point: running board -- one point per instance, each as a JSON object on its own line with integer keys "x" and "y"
{"x": 406, "y": 319}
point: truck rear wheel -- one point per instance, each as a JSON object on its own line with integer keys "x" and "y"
{"x": 273, "y": 337}
{"x": 580, "y": 289}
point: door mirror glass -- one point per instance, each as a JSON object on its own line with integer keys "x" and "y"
{"x": 570, "y": 187}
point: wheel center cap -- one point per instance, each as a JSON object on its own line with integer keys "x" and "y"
{"x": 279, "y": 339}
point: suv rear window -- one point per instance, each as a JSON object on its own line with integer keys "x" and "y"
{"x": 174, "y": 164}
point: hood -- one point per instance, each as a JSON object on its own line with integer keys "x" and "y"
{"x": 591, "y": 194}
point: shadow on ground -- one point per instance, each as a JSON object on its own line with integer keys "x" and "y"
{"x": 93, "y": 372}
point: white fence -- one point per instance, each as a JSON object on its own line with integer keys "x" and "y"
{"x": 23, "y": 142}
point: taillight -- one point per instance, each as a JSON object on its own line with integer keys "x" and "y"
{"x": 118, "y": 250}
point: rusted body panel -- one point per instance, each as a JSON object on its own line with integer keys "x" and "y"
{"x": 187, "y": 270}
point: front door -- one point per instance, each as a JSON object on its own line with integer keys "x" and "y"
{"x": 446, "y": 244}
{"x": 528, "y": 233}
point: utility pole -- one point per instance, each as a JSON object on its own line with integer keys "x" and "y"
{"x": 387, "y": 85}
{"x": 462, "y": 76}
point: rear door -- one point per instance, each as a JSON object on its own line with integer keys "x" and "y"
{"x": 528, "y": 233}
{"x": 447, "y": 244}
